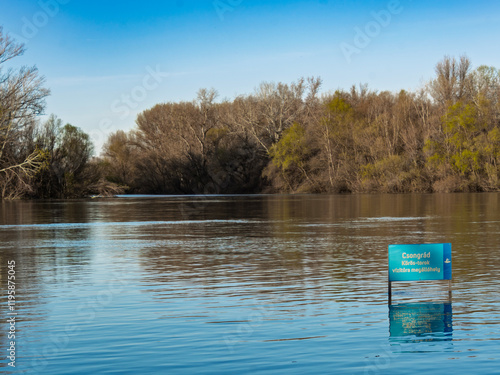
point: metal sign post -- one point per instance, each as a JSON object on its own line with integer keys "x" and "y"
{"x": 419, "y": 262}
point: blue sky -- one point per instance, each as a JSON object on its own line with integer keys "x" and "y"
{"x": 106, "y": 61}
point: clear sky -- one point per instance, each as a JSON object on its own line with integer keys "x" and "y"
{"x": 106, "y": 61}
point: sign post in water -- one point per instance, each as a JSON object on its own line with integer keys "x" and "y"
{"x": 420, "y": 262}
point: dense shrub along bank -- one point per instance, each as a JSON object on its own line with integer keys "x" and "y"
{"x": 282, "y": 138}
{"x": 288, "y": 138}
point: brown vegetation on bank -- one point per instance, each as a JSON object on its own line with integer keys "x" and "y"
{"x": 288, "y": 138}
{"x": 282, "y": 138}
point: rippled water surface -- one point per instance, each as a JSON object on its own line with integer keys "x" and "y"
{"x": 248, "y": 284}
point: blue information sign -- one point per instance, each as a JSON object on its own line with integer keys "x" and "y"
{"x": 420, "y": 262}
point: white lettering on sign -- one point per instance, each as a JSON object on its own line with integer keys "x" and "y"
{"x": 417, "y": 256}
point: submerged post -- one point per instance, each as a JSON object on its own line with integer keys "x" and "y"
{"x": 390, "y": 291}
{"x": 419, "y": 262}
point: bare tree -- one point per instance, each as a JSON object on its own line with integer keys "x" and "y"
{"x": 21, "y": 99}
{"x": 453, "y": 81}
{"x": 274, "y": 107}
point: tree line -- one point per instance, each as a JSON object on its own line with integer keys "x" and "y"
{"x": 40, "y": 160}
{"x": 444, "y": 137}
{"x": 282, "y": 138}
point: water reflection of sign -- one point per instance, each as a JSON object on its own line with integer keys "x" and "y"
{"x": 420, "y": 262}
{"x": 421, "y": 321}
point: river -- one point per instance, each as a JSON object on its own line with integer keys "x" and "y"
{"x": 266, "y": 284}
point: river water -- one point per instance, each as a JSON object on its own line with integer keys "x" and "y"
{"x": 247, "y": 284}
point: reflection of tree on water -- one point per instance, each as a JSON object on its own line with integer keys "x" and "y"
{"x": 420, "y": 322}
